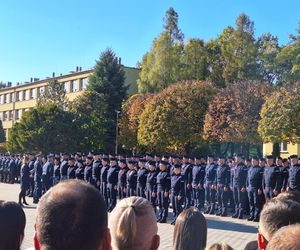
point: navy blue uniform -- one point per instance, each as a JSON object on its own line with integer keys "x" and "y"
{"x": 223, "y": 177}
{"x": 163, "y": 181}
{"x": 25, "y": 180}
{"x": 88, "y": 173}
{"x": 71, "y": 172}
{"x": 96, "y": 169}
{"x": 271, "y": 181}
{"x": 122, "y": 183}
{"x": 294, "y": 178}
{"x": 64, "y": 170}
{"x": 56, "y": 174}
{"x": 103, "y": 180}
{"x": 79, "y": 173}
{"x": 210, "y": 190}
{"x": 177, "y": 193}
{"x": 240, "y": 172}
{"x": 38, "y": 171}
{"x": 284, "y": 178}
{"x": 131, "y": 181}
{"x": 254, "y": 185}
{"x": 31, "y": 176}
{"x": 198, "y": 176}
{"x": 141, "y": 182}
{"x": 112, "y": 184}
{"x": 151, "y": 188}
{"x": 187, "y": 174}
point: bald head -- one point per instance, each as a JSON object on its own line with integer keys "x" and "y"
{"x": 71, "y": 215}
{"x": 133, "y": 225}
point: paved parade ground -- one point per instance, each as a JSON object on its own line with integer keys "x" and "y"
{"x": 234, "y": 232}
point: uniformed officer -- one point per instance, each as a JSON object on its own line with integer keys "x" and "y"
{"x": 79, "y": 172}
{"x": 294, "y": 174}
{"x": 122, "y": 179}
{"x": 210, "y": 185}
{"x": 96, "y": 169}
{"x": 271, "y": 179}
{"x": 71, "y": 168}
{"x": 141, "y": 178}
{"x": 163, "y": 188}
{"x": 284, "y": 169}
{"x": 38, "y": 171}
{"x": 88, "y": 169}
{"x": 151, "y": 186}
{"x": 239, "y": 186}
{"x": 187, "y": 173}
{"x": 131, "y": 178}
{"x": 24, "y": 181}
{"x": 47, "y": 174}
{"x": 177, "y": 191}
{"x": 103, "y": 177}
{"x": 64, "y": 166}
{"x": 223, "y": 184}
{"x": 112, "y": 184}
{"x": 31, "y": 176}
{"x": 254, "y": 188}
{"x": 198, "y": 176}
{"x": 12, "y": 169}
{"x": 56, "y": 170}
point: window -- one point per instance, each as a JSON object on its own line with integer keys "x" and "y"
{"x": 5, "y": 98}
{"x": 25, "y": 95}
{"x": 73, "y": 87}
{"x": 18, "y": 114}
{"x": 0, "y": 99}
{"x": 18, "y": 96}
{"x": 65, "y": 86}
{"x": 39, "y": 91}
{"x": 31, "y": 93}
{"x": 1, "y": 117}
{"x": 4, "y": 115}
{"x": 11, "y": 115}
{"x": 83, "y": 83}
{"x": 11, "y": 97}
{"x": 283, "y": 147}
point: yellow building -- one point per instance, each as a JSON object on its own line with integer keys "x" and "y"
{"x": 15, "y": 100}
{"x": 286, "y": 149}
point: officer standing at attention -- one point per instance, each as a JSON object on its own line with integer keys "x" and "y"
{"x": 79, "y": 172}
{"x": 88, "y": 169}
{"x": 64, "y": 166}
{"x": 103, "y": 177}
{"x": 294, "y": 174}
{"x": 24, "y": 180}
{"x": 151, "y": 186}
{"x": 239, "y": 186}
{"x": 71, "y": 168}
{"x": 210, "y": 185}
{"x": 163, "y": 188}
{"x": 122, "y": 179}
{"x": 112, "y": 184}
{"x": 48, "y": 173}
{"x": 141, "y": 178}
{"x": 131, "y": 178}
{"x": 223, "y": 184}
{"x": 254, "y": 187}
{"x": 284, "y": 169}
{"x": 56, "y": 171}
{"x": 31, "y": 176}
{"x": 96, "y": 169}
{"x": 177, "y": 191}
{"x": 38, "y": 171}
{"x": 271, "y": 179}
{"x": 187, "y": 173}
{"x": 198, "y": 175}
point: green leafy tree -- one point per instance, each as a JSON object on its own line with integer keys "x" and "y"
{"x": 54, "y": 94}
{"x": 2, "y": 133}
{"x": 173, "y": 119}
{"x": 90, "y": 111}
{"x": 47, "y": 128}
{"x": 280, "y": 119}
{"x": 233, "y": 114}
{"x": 161, "y": 66}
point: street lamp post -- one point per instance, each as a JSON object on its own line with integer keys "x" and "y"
{"x": 117, "y": 131}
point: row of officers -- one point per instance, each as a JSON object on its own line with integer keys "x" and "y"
{"x": 209, "y": 183}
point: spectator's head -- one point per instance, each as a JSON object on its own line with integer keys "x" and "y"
{"x": 289, "y": 195}
{"x": 286, "y": 238}
{"x": 72, "y": 215}
{"x": 276, "y": 214}
{"x": 190, "y": 230}
{"x": 12, "y": 224}
{"x": 217, "y": 246}
{"x": 133, "y": 225}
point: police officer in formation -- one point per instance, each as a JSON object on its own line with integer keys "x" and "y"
{"x": 213, "y": 185}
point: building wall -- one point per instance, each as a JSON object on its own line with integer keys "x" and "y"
{"x": 291, "y": 149}
{"x": 16, "y": 100}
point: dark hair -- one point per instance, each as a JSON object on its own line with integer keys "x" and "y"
{"x": 190, "y": 230}
{"x": 71, "y": 215}
{"x": 279, "y": 213}
{"x": 12, "y": 224}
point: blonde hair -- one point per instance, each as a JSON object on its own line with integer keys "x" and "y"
{"x": 190, "y": 230}
{"x": 128, "y": 210}
{"x": 217, "y": 246}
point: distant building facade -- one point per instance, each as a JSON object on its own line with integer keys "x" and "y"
{"x": 15, "y": 100}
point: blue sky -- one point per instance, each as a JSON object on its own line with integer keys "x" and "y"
{"x": 38, "y": 37}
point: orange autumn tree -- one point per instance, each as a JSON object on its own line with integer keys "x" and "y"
{"x": 234, "y": 113}
{"x": 132, "y": 109}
